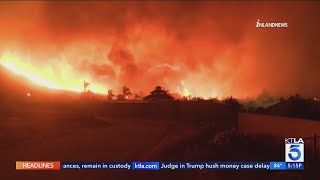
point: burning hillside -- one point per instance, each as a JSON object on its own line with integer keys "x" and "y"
{"x": 15, "y": 88}
{"x": 62, "y": 79}
{"x": 184, "y": 46}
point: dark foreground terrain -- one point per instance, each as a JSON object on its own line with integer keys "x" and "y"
{"x": 51, "y": 134}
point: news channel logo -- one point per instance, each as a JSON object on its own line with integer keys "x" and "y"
{"x": 294, "y": 150}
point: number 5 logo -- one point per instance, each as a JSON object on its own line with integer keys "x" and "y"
{"x": 294, "y": 149}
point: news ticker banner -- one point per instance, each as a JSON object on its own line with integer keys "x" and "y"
{"x": 57, "y": 165}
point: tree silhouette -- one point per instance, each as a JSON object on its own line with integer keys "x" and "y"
{"x": 86, "y": 86}
{"x": 216, "y": 100}
{"x": 120, "y": 97}
{"x": 110, "y": 95}
{"x": 297, "y": 99}
{"x": 126, "y": 92}
{"x": 298, "y": 107}
{"x": 136, "y": 96}
{"x": 233, "y": 102}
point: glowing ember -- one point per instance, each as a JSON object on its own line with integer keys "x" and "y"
{"x": 28, "y": 94}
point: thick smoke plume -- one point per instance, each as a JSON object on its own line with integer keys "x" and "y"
{"x": 215, "y": 45}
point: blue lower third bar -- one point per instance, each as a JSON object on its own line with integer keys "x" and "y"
{"x": 145, "y": 166}
{"x": 295, "y": 166}
{"x": 278, "y": 165}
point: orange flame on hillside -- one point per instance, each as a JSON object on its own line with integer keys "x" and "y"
{"x": 46, "y": 77}
{"x": 185, "y": 90}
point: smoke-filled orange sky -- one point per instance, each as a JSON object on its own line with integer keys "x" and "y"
{"x": 213, "y": 47}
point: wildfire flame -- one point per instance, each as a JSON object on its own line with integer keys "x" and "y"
{"x": 178, "y": 89}
{"x": 45, "y": 76}
{"x": 185, "y": 90}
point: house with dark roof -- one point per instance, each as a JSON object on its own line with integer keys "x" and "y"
{"x": 159, "y": 95}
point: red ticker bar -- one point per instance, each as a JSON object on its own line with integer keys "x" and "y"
{"x": 37, "y": 165}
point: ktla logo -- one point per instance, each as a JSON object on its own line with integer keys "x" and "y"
{"x": 294, "y": 150}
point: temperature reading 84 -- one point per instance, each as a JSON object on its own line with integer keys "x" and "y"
{"x": 277, "y": 165}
